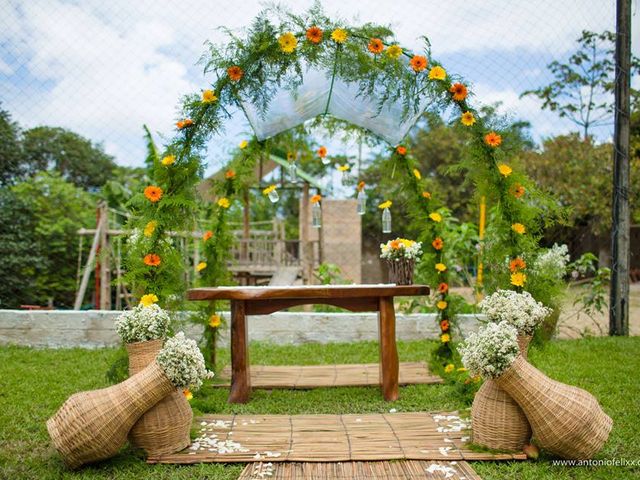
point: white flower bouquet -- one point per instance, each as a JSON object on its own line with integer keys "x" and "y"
{"x": 142, "y": 324}
{"x": 491, "y": 350}
{"x": 400, "y": 248}
{"x": 518, "y": 309}
{"x": 182, "y": 361}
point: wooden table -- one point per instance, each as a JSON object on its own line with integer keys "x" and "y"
{"x": 265, "y": 300}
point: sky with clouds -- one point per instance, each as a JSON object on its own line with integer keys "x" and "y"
{"x": 103, "y": 69}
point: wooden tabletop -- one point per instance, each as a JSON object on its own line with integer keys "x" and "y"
{"x": 310, "y": 291}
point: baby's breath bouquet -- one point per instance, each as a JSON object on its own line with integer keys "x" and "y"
{"x": 143, "y": 323}
{"x": 518, "y": 309}
{"x": 400, "y": 248}
{"x": 491, "y": 350}
{"x": 182, "y": 361}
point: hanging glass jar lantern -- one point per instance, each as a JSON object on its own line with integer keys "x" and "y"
{"x": 362, "y": 202}
{"x": 345, "y": 172}
{"x": 361, "y": 199}
{"x": 316, "y": 211}
{"x": 272, "y": 193}
{"x": 293, "y": 172}
{"x": 386, "y": 220}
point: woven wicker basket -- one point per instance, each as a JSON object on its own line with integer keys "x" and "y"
{"x": 566, "y": 420}
{"x": 401, "y": 271}
{"x": 498, "y": 422}
{"x": 92, "y": 426}
{"x": 166, "y": 427}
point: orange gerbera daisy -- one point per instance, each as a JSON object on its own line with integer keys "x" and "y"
{"x": 444, "y": 325}
{"x": 517, "y": 190}
{"x": 316, "y": 198}
{"x": 229, "y": 174}
{"x": 152, "y": 259}
{"x": 401, "y": 150}
{"x": 493, "y": 139}
{"x": 418, "y": 63}
{"x": 375, "y": 46}
{"x": 426, "y": 195}
{"x": 314, "y": 34}
{"x": 207, "y": 235}
{"x": 322, "y": 152}
{"x": 235, "y": 73}
{"x": 360, "y": 186}
{"x": 395, "y": 244}
{"x": 459, "y": 92}
{"x": 437, "y": 243}
{"x": 443, "y": 287}
{"x": 153, "y": 193}
{"x": 517, "y": 264}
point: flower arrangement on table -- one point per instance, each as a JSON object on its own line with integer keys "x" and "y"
{"x": 401, "y": 255}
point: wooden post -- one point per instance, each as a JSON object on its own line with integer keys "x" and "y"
{"x": 105, "y": 264}
{"x": 240, "y": 374}
{"x": 389, "y": 364}
{"x": 306, "y": 253}
{"x": 87, "y": 268}
{"x": 620, "y": 229}
{"x": 246, "y": 226}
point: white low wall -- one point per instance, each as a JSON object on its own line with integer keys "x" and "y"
{"x": 94, "y": 328}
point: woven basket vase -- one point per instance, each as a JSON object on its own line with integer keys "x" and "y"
{"x": 401, "y": 271}
{"x": 165, "y": 428}
{"x": 566, "y": 420}
{"x": 498, "y": 422}
{"x": 92, "y": 426}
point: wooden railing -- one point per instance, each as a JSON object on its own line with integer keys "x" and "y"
{"x": 261, "y": 252}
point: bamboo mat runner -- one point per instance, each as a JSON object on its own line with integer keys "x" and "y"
{"x": 313, "y": 376}
{"x": 331, "y": 438}
{"x": 400, "y": 470}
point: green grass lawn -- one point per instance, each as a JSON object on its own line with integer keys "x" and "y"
{"x": 34, "y": 383}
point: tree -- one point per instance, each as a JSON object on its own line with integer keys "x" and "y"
{"x": 583, "y": 87}
{"x": 58, "y": 209}
{"x": 20, "y": 253}
{"x": 10, "y": 149}
{"x": 579, "y": 172}
{"x": 77, "y": 159}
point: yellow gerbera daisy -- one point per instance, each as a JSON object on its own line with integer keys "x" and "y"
{"x": 150, "y": 228}
{"x": 441, "y": 305}
{"x": 394, "y": 51}
{"x": 243, "y": 144}
{"x": 445, "y": 338}
{"x": 519, "y": 228}
{"x": 209, "y": 96}
{"x": 435, "y": 216}
{"x": 518, "y": 279}
{"x": 148, "y": 299}
{"x": 288, "y": 42}
{"x": 339, "y": 35}
{"x": 268, "y": 190}
{"x": 504, "y": 169}
{"x": 416, "y": 173}
{"x": 224, "y": 202}
{"x": 449, "y": 368}
{"x": 201, "y": 266}
{"x": 441, "y": 267}
{"x": 168, "y": 160}
{"x": 386, "y": 204}
{"x": 214, "y": 321}
{"x": 437, "y": 73}
{"x": 467, "y": 119}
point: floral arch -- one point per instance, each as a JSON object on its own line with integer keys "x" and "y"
{"x": 288, "y": 69}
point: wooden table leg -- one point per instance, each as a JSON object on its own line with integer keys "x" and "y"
{"x": 240, "y": 375}
{"x": 389, "y": 365}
